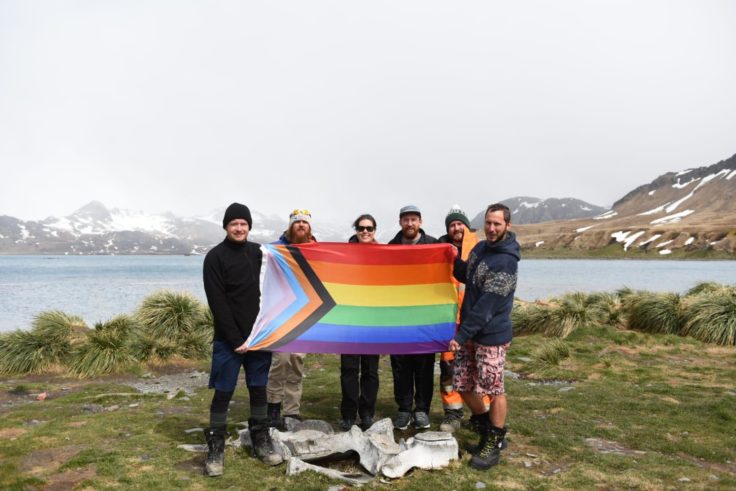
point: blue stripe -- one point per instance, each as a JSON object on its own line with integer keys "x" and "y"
{"x": 337, "y": 333}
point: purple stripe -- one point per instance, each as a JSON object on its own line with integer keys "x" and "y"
{"x": 299, "y": 346}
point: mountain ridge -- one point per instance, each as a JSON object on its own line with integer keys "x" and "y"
{"x": 690, "y": 212}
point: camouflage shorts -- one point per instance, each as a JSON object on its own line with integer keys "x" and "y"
{"x": 479, "y": 368}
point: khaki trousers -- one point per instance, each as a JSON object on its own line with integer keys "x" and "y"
{"x": 285, "y": 381}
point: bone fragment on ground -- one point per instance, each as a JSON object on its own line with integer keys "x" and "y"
{"x": 428, "y": 450}
{"x": 295, "y": 466}
{"x": 374, "y": 446}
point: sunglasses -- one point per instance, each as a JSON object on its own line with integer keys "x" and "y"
{"x": 361, "y": 228}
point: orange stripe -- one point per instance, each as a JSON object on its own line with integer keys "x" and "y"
{"x": 405, "y": 274}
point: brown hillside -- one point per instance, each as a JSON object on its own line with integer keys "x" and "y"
{"x": 688, "y": 212}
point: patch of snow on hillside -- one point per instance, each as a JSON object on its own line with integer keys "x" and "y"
{"x": 690, "y": 241}
{"x": 139, "y": 221}
{"x": 679, "y": 185}
{"x": 665, "y": 251}
{"x": 672, "y": 218}
{"x": 563, "y": 205}
{"x": 651, "y": 239}
{"x": 664, "y": 243}
{"x": 606, "y": 215}
{"x": 526, "y": 204}
{"x": 585, "y": 208}
{"x": 713, "y": 176}
{"x": 539, "y": 243}
{"x": 620, "y": 236}
{"x": 731, "y": 175}
{"x": 651, "y": 193}
{"x": 686, "y": 171}
{"x": 583, "y": 229}
{"x": 63, "y": 224}
{"x": 677, "y": 203}
{"x": 654, "y": 210}
{"x": 632, "y": 238}
{"x": 23, "y": 231}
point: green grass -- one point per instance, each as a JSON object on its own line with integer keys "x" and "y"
{"x": 665, "y": 400}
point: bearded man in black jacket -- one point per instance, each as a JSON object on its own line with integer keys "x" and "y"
{"x": 413, "y": 374}
{"x": 231, "y": 283}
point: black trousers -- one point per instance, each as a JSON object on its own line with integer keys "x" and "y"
{"x": 358, "y": 395}
{"x": 413, "y": 381}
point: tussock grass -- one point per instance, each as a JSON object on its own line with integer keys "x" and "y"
{"x": 172, "y": 324}
{"x": 106, "y": 349}
{"x": 530, "y": 318}
{"x": 608, "y": 306}
{"x": 24, "y": 352}
{"x": 574, "y": 310}
{"x": 47, "y": 345}
{"x": 660, "y": 313}
{"x": 712, "y": 318}
{"x": 550, "y": 354}
{"x": 710, "y": 287}
{"x": 171, "y": 314}
{"x": 147, "y": 347}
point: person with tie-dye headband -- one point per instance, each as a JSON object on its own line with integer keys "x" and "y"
{"x": 287, "y": 369}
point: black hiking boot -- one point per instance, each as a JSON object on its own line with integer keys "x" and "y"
{"x": 215, "y": 463}
{"x": 453, "y": 420}
{"x": 274, "y": 415}
{"x": 263, "y": 447}
{"x": 490, "y": 454}
{"x": 476, "y": 421}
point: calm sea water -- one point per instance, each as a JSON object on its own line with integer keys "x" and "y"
{"x": 100, "y": 287}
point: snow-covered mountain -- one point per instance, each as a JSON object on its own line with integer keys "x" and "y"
{"x": 525, "y": 209}
{"x": 95, "y": 229}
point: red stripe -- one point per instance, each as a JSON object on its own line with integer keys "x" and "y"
{"x": 368, "y": 254}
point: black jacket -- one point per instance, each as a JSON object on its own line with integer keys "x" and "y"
{"x": 424, "y": 239}
{"x": 445, "y": 239}
{"x": 231, "y": 281}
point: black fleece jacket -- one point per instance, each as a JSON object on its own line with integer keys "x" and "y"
{"x": 231, "y": 282}
{"x": 424, "y": 239}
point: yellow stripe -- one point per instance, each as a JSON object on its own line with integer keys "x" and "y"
{"x": 392, "y": 296}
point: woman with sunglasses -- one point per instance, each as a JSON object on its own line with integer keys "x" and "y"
{"x": 359, "y": 373}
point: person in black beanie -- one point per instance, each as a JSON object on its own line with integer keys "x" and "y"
{"x": 231, "y": 283}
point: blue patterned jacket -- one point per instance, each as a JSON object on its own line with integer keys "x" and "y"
{"x": 490, "y": 282}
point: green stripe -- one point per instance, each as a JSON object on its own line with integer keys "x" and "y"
{"x": 390, "y": 316}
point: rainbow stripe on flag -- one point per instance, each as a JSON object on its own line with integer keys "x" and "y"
{"x": 356, "y": 299}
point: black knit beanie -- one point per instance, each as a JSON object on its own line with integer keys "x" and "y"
{"x": 236, "y": 210}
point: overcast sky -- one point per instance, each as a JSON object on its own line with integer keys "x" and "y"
{"x": 345, "y": 107}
